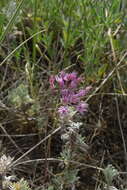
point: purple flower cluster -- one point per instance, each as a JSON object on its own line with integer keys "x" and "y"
{"x": 69, "y": 93}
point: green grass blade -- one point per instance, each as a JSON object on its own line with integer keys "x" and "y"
{"x": 11, "y": 22}
{"x": 8, "y": 56}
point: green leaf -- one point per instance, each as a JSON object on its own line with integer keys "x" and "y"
{"x": 102, "y": 70}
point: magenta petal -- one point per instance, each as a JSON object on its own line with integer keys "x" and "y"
{"x": 62, "y": 74}
{"x": 52, "y": 81}
{"x": 60, "y": 81}
{"x": 82, "y": 107}
{"x": 63, "y": 110}
{"x": 73, "y": 84}
{"x": 73, "y": 75}
{"x": 88, "y": 88}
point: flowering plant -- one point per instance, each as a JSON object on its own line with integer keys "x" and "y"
{"x": 70, "y": 95}
{"x": 66, "y": 85}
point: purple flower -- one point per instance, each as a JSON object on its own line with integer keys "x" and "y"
{"x": 73, "y": 75}
{"x": 65, "y": 95}
{"x": 70, "y": 76}
{"x": 65, "y": 99}
{"x": 83, "y": 92}
{"x": 65, "y": 92}
{"x": 73, "y": 84}
{"x": 74, "y": 99}
{"x": 62, "y": 74}
{"x": 82, "y": 107}
{"x": 70, "y": 95}
{"x": 87, "y": 89}
{"x": 60, "y": 81}
{"x": 63, "y": 111}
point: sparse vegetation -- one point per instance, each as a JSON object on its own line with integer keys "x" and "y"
{"x": 63, "y": 94}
